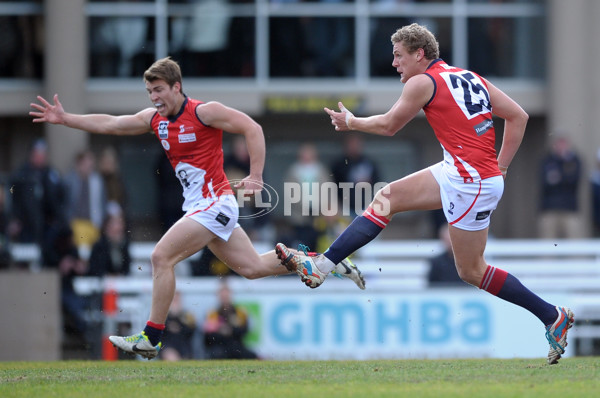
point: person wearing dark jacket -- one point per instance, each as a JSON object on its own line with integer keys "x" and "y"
{"x": 225, "y": 328}
{"x": 110, "y": 254}
{"x": 561, "y": 172}
{"x": 37, "y": 198}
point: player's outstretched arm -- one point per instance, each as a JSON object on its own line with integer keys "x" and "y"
{"x": 45, "y": 112}
{"x": 416, "y": 93}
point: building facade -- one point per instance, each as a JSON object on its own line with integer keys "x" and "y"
{"x": 283, "y": 61}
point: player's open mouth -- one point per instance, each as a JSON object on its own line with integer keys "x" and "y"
{"x": 159, "y": 105}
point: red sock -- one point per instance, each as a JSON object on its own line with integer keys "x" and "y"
{"x": 493, "y": 280}
{"x": 380, "y": 221}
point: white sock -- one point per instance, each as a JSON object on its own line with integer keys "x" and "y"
{"x": 324, "y": 264}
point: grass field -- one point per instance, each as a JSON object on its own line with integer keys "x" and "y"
{"x": 572, "y": 377}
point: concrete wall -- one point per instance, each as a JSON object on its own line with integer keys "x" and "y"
{"x": 30, "y": 314}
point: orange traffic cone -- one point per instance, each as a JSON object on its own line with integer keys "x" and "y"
{"x": 109, "y": 308}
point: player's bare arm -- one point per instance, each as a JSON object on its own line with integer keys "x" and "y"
{"x": 54, "y": 113}
{"x": 219, "y": 116}
{"x": 415, "y": 95}
{"x": 514, "y": 128}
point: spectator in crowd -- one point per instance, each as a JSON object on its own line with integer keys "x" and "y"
{"x": 237, "y": 161}
{"x": 442, "y": 269}
{"x": 180, "y": 329}
{"x": 109, "y": 168}
{"x": 110, "y": 254}
{"x": 86, "y": 199}
{"x": 237, "y": 165}
{"x": 5, "y": 257}
{"x": 37, "y": 198}
{"x": 288, "y": 55}
{"x": 203, "y": 52}
{"x": 119, "y": 45}
{"x": 307, "y": 174}
{"x": 329, "y": 227}
{"x": 355, "y": 167}
{"x": 595, "y": 190}
{"x": 61, "y": 253}
{"x": 169, "y": 193}
{"x": 332, "y": 57}
{"x": 560, "y": 177}
{"x": 225, "y": 328}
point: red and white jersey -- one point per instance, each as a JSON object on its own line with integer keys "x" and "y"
{"x": 196, "y": 154}
{"x": 460, "y": 114}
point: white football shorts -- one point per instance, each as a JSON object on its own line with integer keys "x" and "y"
{"x": 468, "y": 206}
{"x": 220, "y": 217}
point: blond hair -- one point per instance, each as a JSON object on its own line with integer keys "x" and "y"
{"x": 415, "y": 36}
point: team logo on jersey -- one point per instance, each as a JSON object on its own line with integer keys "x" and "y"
{"x": 163, "y": 129}
{"x": 165, "y": 144}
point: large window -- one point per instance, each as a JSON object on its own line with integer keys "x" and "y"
{"x": 21, "y": 39}
{"x": 271, "y": 39}
{"x": 506, "y": 47}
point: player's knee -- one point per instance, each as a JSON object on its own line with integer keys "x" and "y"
{"x": 159, "y": 259}
{"x": 468, "y": 275}
{"x": 382, "y": 195}
{"x": 248, "y": 273}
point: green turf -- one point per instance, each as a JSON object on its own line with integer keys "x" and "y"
{"x": 572, "y": 377}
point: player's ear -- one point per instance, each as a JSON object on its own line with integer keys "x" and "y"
{"x": 177, "y": 85}
{"x": 420, "y": 54}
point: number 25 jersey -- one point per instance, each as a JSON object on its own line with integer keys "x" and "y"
{"x": 460, "y": 114}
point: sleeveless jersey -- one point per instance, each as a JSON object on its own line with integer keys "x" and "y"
{"x": 460, "y": 114}
{"x": 196, "y": 154}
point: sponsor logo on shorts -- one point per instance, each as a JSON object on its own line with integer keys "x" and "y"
{"x": 222, "y": 219}
{"x": 482, "y": 215}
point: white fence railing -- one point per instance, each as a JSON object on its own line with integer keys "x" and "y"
{"x": 563, "y": 265}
